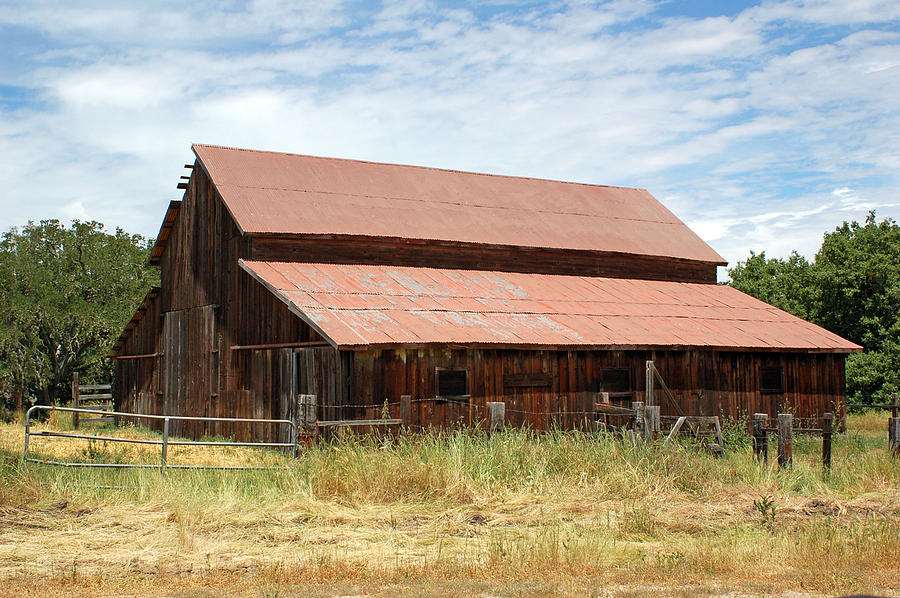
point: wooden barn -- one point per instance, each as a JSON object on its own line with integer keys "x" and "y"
{"x": 360, "y": 282}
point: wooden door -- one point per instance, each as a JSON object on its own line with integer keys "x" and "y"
{"x": 190, "y": 372}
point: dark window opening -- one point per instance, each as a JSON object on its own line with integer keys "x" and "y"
{"x": 615, "y": 380}
{"x": 771, "y": 379}
{"x": 451, "y": 382}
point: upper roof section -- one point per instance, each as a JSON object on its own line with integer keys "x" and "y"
{"x": 287, "y": 194}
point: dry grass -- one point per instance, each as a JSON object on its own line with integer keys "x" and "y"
{"x": 561, "y": 514}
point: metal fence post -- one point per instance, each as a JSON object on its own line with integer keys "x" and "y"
{"x": 75, "y": 400}
{"x": 165, "y": 442}
{"x": 27, "y": 436}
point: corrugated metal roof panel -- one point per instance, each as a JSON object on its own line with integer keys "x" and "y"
{"x": 275, "y": 193}
{"x": 371, "y": 305}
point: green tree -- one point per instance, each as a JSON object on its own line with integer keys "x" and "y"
{"x": 787, "y": 284}
{"x": 851, "y": 288}
{"x": 67, "y": 292}
{"x": 858, "y": 276}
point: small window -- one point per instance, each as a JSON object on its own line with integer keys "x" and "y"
{"x": 615, "y": 380}
{"x": 451, "y": 382}
{"x": 771, "y": 379}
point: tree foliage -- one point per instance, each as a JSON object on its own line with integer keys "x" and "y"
{"x": 67, "y": 292}
{"x": 851, "y": 288}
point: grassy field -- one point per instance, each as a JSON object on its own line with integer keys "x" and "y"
{"x": 513, "y": 514}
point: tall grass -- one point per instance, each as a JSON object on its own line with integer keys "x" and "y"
{"x": 509, "y": 505}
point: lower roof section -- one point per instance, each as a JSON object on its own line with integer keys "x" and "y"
{"x": 361, "y": 306}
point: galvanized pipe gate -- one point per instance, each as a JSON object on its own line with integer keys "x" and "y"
{"x": 164, "y": 443}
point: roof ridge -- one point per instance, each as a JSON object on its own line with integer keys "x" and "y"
{"x": 418, "y": 166}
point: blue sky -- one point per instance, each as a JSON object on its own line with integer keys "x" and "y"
{"x": 762, "y": 125}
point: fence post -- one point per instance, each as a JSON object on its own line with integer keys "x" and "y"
{"x": 406, "y": 409}
{"x": 75, "y": 400}
{"x": 649, "y": 383}
{"x": 496, "y": 415}
{"x": 760, "y": 436}
{"x": 785, "y": 440}
{"x": 165, "y": 443}
{"x": 638, "y": 407}
{"x": 895, "y": 408}
{"x": 827, "y": 423}
{"x": 27, "y": 436}
{"x": 651, "y": 413}
{"x": 308, "y": 412}
{"x": 894, "y": 435}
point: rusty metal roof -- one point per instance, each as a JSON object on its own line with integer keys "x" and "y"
{"x": 357, "y": 306}
{"x": 288, "y": 194}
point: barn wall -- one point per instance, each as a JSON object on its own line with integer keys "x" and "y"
{"x": 211, "y": 306}
{"x": 545, "y": 387}
{"x": 135, "y": 385}
{"x": 456, "y": 255}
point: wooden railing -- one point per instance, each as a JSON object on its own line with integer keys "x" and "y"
{"x": 91, "y": 396}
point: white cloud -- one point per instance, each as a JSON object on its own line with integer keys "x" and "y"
{"x": 742, "y": 125}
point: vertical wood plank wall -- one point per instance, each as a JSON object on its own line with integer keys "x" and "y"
{"x": 199, "y": 271}
{"x": 703, "y": 382}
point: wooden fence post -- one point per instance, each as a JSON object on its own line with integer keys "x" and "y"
{"x": 761, "y": 437}
{"x": 785, "y": 440}
{"x": 496, "y": 415}
{"x": 649, "y": 383}
{"x": 827, "y": 422}
{"x": 405, "y": 409}
{"x": 639, "y": 426}
{"x": 307, "y": 413}
{"x": 894, "y": 435}
{"x": 651, "y": 413}
{"x": 75, "y": 400}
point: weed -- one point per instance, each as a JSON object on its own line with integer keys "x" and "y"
{"x": 766, "y": 507}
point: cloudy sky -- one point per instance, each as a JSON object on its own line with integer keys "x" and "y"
{"x": 762, "y": 125}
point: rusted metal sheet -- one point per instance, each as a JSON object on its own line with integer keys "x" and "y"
{"x": 276, "y": 193}
{"x": 358, "y": 306}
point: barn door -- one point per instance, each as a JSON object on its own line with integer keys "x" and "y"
{"x": 190, "y": 369}
{"x": 320, "y": 372}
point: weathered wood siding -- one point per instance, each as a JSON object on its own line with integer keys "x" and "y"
{"x": 560, "y": 386}
{"x": 198, "y": 372}
{"x": 467, "y": 256}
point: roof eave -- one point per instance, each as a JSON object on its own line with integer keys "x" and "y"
{"x": 564, "y": 347}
